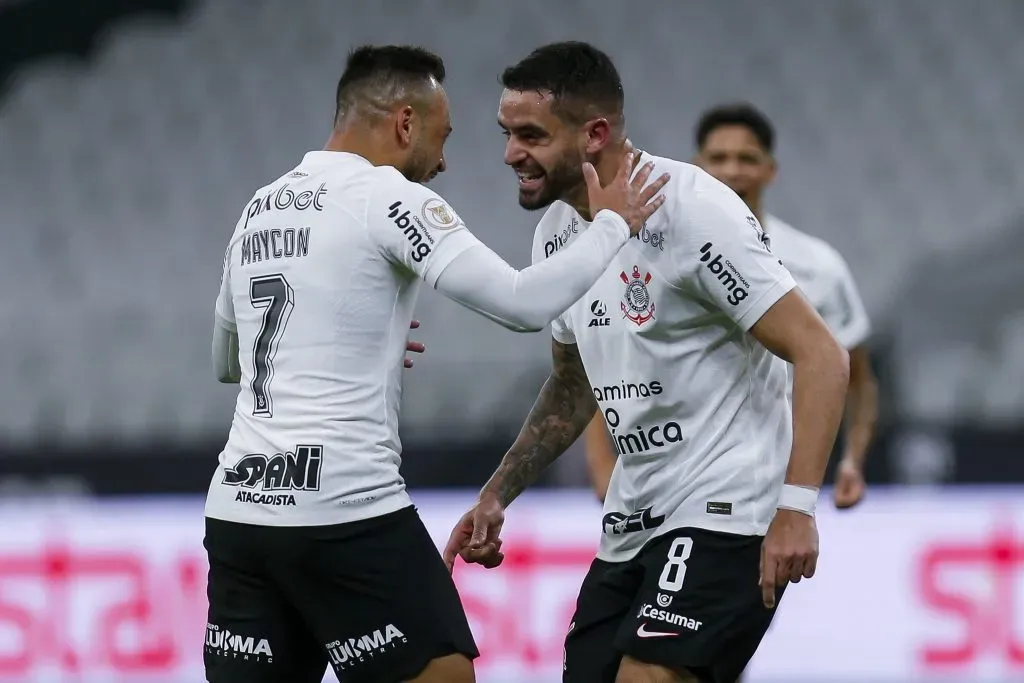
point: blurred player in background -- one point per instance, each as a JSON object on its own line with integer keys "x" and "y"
{"x": 316, "y": 553}
{"x": 735, "y": 144}
{"x": 706, "y": 501}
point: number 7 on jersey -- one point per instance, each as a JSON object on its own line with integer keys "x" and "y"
{"x": 275, "y": 296}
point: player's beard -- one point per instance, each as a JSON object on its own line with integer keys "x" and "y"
{"x": 560, "y": 181}
{"x": 421, "y": 166}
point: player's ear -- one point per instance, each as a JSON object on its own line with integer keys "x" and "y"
{"x": 697, "y": 160}
{"x": 405, "y": 122}
{"x": 598, "y": 134}
{"x": 773, "y": 169}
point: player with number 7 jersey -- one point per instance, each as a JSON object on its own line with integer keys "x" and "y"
{"x": 316, "y": 552}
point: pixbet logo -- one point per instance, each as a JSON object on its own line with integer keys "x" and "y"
{"x": 726, "y": 273}
{"x": 655, "y": 239}
{"x": 559, "y": 239}
{"x": 419, "y": 237}
{"x": 284, "y": 198}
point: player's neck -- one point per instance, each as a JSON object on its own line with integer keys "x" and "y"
{"x": 360, "y": 140}
{"x": 607, "y": 165}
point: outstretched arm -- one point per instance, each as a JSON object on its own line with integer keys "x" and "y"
{"x": 416, "y": 229}
{"x": 562, "y": 411}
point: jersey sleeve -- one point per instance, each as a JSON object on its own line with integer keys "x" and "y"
{"x": 843, "y": 310}
{"x": 561, "y": 331}
{"x": 415, "y": 228}
{"x": 225, "y": 308}
{"x": 728, "y": 258}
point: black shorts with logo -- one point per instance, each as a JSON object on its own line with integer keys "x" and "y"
{"x": 689, "y": 601}
{"x": 372, "y": 599}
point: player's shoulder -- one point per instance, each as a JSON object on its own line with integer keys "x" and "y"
{"x": 555, "y": 229}
{"x": 799, "y": 247}
{"x": 694, "y": 198}
{"x": 691, "y": 188}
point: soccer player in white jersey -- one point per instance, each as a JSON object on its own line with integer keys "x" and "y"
{"x": 735, "y": 144}
{"x": 710, "y": 511}
{"x": 316, "y": 554}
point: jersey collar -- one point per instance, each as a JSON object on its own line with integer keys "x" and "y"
{"x": 330, "y": 158}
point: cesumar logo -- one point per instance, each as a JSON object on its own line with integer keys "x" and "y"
{"x": 649, "y": 611}
{"x": 559, "y": 239}
{"x": 726, "y": 273}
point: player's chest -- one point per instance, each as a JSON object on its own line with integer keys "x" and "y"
{"x": 631, "y": 299}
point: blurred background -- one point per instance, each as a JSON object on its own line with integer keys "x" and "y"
{"x": 133, "y": 132}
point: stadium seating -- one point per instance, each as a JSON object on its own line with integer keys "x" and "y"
{"x": 900, "y": 139}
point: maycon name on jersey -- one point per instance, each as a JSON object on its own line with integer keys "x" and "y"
{"x": 275, "y": 243}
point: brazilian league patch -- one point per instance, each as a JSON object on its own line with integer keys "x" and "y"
{"x": 439, "y": 215}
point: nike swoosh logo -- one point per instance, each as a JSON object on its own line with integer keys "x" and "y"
{"x": 644, "y": 633}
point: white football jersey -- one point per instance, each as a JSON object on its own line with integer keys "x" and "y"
{"x": 320, "y": 280}
{"x": 824, "y": 278}
{"x": 696, "y": 407}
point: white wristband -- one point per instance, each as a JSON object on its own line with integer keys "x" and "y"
{"x": 799, "y": 498}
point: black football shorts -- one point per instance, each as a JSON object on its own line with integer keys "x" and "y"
{"x": 689, "y": 601}
{"x": 372, "y": 599}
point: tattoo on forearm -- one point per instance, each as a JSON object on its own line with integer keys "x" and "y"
{"x": 561, "y": 413}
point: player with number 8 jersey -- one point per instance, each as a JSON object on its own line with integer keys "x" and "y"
{"x": 680, "y": 343}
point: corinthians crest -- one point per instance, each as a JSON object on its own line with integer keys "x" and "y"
{"x": 637, "y": 304}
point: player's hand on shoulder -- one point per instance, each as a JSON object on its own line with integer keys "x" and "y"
{"x": 476, "y": 537}
{"x": 413, "y": 346}
{"x": 630, "y": 199}
{"x": 850, "y": 485}
{"x": 789, "y": 552}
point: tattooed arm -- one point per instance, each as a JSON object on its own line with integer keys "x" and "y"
{"x": 562, "y": 412}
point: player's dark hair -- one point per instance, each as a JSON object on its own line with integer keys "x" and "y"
{"x": 582, "y": 79}
{"x": 736, "y": 114}
{"x": 375, "y": 74}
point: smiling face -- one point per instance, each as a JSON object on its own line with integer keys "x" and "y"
{"x": 546, "y": 151}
